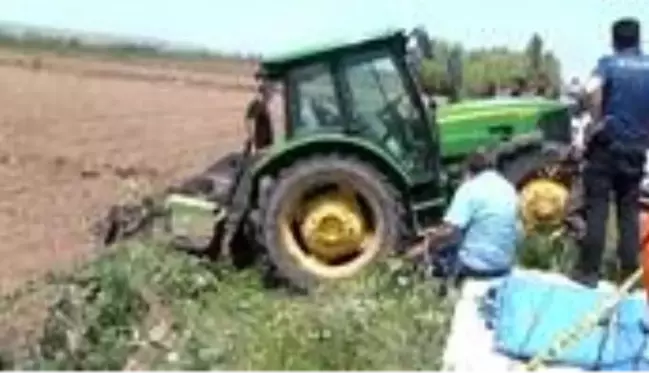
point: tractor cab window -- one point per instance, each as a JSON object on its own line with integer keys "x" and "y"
{"x": 382, "y": 108}
{"x": 315, "y": 106}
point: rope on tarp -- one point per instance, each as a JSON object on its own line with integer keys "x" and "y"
{"x": 571, "y": 336}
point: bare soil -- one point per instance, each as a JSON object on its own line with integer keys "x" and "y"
{"x": 76, "y": 135}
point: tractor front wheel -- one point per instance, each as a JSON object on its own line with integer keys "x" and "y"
{"x": 544, "y": 189}
{"x": 329, "y": 218}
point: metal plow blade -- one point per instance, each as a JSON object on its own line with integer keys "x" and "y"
{"x": 128, "y": 220}
{"x": 194, "y": 224}
{"x": 190, "y": 223}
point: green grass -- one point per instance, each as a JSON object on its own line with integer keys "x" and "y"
{"x": 146, "y": 307}
{"x": 143, "y": 306}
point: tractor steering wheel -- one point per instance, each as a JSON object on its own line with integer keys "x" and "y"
{"x": 367, "y": 127}
{"x": 325, "y": 110}
{"x": 392, "y": 118}
{"x": 391, "y": 108}
{"x": 382, "y": 125}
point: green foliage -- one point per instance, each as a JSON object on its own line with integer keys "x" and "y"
{"x": 144, "y": 307}
{"x": 434, "y": 76}
{"x": 561, "y": 253}
{"x": 499, "y": 66}
{"x": 540, "y": 251}
{"x": 65, "y": 44}
{"x": 534, "y": 53}
{"x": 455, "y": 72}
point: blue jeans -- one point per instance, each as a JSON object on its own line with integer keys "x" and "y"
{"x": 445, "y": 263}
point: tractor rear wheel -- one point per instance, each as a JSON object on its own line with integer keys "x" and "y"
{"x": 329, "y": 218}
{"x": 545, "y": 194}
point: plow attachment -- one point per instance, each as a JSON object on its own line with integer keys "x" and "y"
{"x": 194, "y": 224}
{"x": 188, "y": 222}
{"x": 192, "y": 215}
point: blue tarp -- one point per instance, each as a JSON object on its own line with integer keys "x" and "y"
{"x": 528, "y": 311}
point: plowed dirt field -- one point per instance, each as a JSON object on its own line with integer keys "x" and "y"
{"x": 75, "y": 134}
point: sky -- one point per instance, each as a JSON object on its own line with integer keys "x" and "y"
{"x": 576, "y": 30}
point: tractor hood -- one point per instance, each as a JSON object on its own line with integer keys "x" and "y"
{"x": 466, "y": 125}
{"x": 471, "y": 110}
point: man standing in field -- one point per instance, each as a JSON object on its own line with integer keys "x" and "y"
{"x": 480, "y": 231}
{"x": 617, "y": 96}
{"x": 259, "y": 126}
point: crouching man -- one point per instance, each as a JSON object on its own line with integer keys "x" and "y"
{"x": 480, "y": 231}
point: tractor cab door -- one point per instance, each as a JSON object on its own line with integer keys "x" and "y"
{"x": 385, "y": 108}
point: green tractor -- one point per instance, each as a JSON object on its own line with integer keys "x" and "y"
{"x": 365, "y": 164}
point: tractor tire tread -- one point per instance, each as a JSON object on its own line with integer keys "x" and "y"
{"x": 278, "y": 262}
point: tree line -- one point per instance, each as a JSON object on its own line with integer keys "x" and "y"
{"x": 453, "y": 72}
{"x": 456, "y": 73}
{"x": 42, "y": 41}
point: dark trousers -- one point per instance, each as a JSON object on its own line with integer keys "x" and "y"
{"x": 617, "y": 169}
{"x": 445, "y": 263}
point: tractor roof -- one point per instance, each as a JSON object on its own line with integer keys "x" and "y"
{"x": 275, "y": 66}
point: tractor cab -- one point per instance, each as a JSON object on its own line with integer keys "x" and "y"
{"x": 364, "y": 90}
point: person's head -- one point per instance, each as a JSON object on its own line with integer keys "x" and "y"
{"x": 477, "y": 162}
{"x": 265, "y": 88}
{"x": 520, "y": 86}
{"x": 626, "y": 34}
{"x": 265, "y": 91}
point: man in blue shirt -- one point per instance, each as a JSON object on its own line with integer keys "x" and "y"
{"x": 480, "y": 231}
{"x": 618, "y": 99}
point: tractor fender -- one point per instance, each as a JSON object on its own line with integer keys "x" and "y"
{"x": 259, "y": 176}
{"x": 519, "y": 142}
{"x": 523, "y": 145}
{"x": 532, "y": 140}
{"x": 237, "y": 211}
{"x": 281, "y": 157}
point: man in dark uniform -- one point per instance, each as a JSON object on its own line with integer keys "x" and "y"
{"x": 259, "y": 126}
{"x": 617, "y": 96}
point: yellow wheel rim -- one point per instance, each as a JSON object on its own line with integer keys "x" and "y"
{"x": 329, "y": 234}
{"x": 543, "y": 204}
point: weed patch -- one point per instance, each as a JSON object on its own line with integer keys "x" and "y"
{"x": 145, "y": 307}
